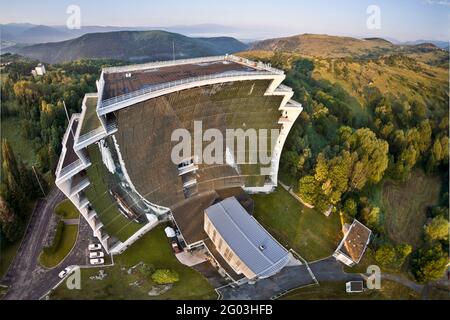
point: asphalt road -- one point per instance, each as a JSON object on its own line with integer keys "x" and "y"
{"x": 27, "y": 280}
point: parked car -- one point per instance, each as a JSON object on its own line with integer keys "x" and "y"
{"x": 95, "y": 246}
{"x": 96, "y": 254}
{"x": 176, "y": 247}
{"x": 65, "y": 272}
{"x": 97, "y": 261}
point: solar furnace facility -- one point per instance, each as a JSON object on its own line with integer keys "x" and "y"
{"x": 116, "y": 164}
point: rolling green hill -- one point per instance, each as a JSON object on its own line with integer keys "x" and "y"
{"x": 131, "y": 45}
{"x": 325, "y": 46}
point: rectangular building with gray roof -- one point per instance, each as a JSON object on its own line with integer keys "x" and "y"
{"x": 243, "y": 243}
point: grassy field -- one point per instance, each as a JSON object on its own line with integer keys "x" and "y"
{"x": 67, "y": 210}
{"x": 152, "y": 249}
{"x": 68, "y": 238}
{"x": 336, "y": 290}
{"x": 114, "y": 222}
{"x": 311, "y": 234}
{"x": 405, "y": 206}
{"x": 91, "y": 120}
{"x": 393, "y": 80}
{"x": 22, "y": 147}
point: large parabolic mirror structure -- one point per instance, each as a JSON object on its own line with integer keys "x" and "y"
{"x": 116, "y": 164}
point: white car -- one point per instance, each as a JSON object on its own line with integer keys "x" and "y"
{"x": 95, "y": 246}
{"x": 65, "y": 272}
{"x": 96, "y": 254}
{"x": 97, "y": 261}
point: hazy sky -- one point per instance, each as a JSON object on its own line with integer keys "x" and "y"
{"x": 400, "y": 19}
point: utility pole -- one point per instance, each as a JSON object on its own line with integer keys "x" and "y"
{"x": 173, "y": 51}
{"x": 39, "y": 182}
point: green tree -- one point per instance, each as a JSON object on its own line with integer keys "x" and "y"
{"x": 429, "y": 263}
{"x": 437, "y": 229}
{"x": 351, "y": 207}
{"x": 14, "y": 193}
{"x": 10, "y": 223}
{"x": 309, "y": 189}
{"x": 165, "y": 276}
{"x": 371, "y": 217}
{"x": 385, "y": 255}
{"x": 402, "y": 252}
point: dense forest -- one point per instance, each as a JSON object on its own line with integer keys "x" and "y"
{"x": 38, "y": 104}
{"x": 342, "y": 146}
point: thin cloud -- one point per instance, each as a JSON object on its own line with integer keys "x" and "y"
{"x": 439, "y": 2}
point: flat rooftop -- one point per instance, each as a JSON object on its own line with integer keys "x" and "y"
{"x": 119, "y": 83}
{"x": 189, "y": 214}
{"x": 254, "y": 246}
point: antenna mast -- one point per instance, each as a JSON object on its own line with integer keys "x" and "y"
{"x": 173, "y": 50}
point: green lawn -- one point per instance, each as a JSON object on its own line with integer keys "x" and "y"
{"x": 336, "y": 290}
{"x": 310, "y": 233}
{"x": 67, "y": 210}
{"x": 152, "y": 249}
{"x": 114, "y": 222}
{"x": 10, "y": 130}
{"x": 91, "y": 120}
{"x": 68, "y": 238}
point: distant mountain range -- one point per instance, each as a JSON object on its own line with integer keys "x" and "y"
{"x": 135, "y": 46}
{"x": 26, "y": 33}
{"x": 44, "y": 43}
{"x": 326, "y": 46}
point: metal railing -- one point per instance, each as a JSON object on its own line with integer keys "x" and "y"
{"x": 228, "y": 57}
{"x": 74, "y": 165}
{"x": 111, "y": 126}
{"x": 90, "y": 134}
{"x": 65, "y": 137}
{"x": 166, "y": 85}
{"x": 283, "y": 88}
{"x": 294, "y": 103}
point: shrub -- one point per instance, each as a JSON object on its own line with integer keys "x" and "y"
{"x": 437, "y": 229}
{"x": 56, "y": 240}
{"x": 429, "y": 264}
{"x": 165, "y": 276}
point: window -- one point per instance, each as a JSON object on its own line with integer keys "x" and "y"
{"x": 228, "y": 254}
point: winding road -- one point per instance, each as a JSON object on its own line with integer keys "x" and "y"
{"x": 26, "y": 279}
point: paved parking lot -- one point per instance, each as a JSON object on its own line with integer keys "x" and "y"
{"x": 287, "y": 279}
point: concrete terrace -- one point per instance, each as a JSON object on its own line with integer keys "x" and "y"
{"x": 119, "y": 83}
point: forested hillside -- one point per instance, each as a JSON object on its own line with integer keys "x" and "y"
{"x": 366, "y": 122}
{"x": 33, "y": 123}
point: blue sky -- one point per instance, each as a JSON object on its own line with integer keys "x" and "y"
{"x": 400, "y": 19}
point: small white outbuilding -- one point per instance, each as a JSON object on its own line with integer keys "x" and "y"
{"x": 170, "y": 233}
